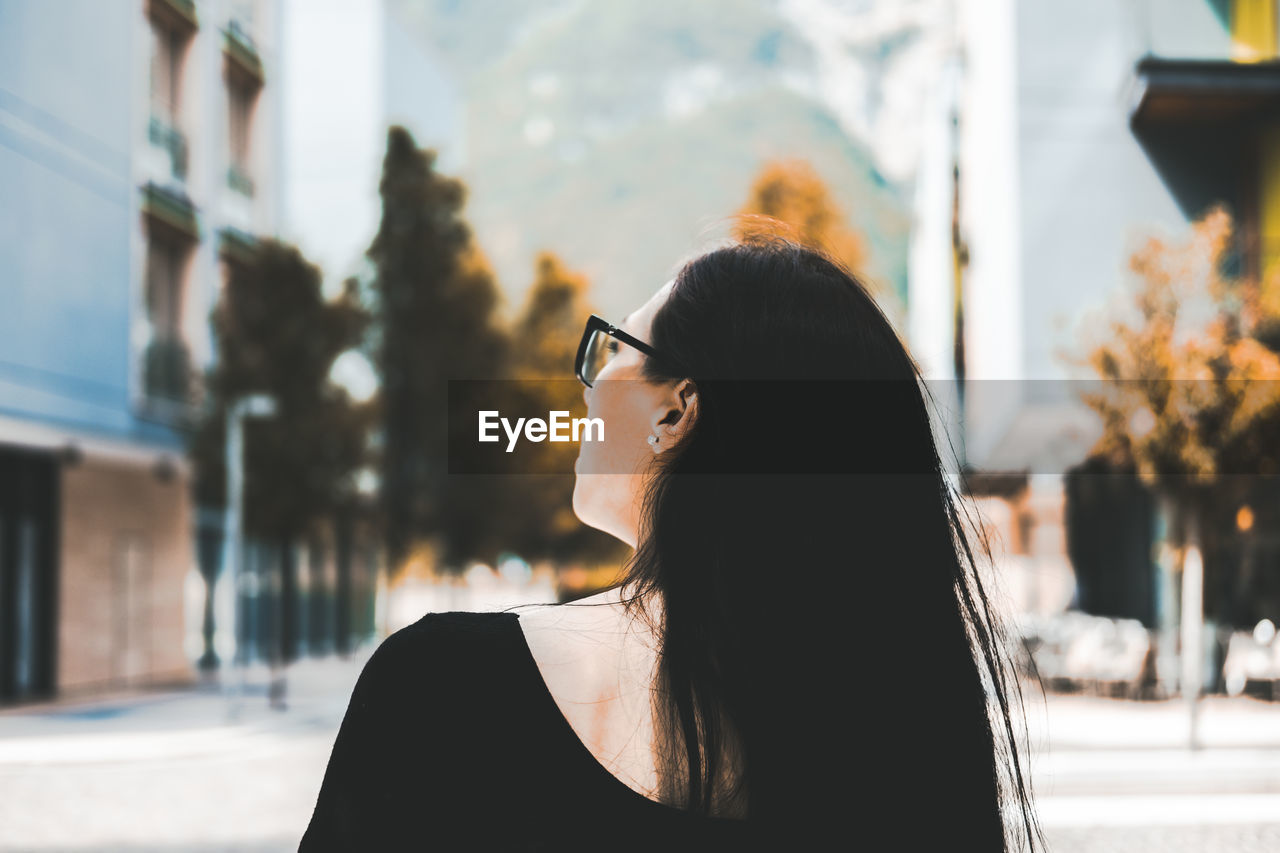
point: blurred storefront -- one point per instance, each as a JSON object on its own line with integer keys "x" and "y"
{"x": 94, "y": 551}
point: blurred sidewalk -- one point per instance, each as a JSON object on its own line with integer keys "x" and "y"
{"x": 1073, "y": 722}
{"x": 111, "y": 727}
{"x": 188, "y": 770}
{"x": 192, "y": 720}
{"x": 182, "y": 770}
{"x": 1114, "y": 775}
{"x": 182, "y": 722}
{"x": 201, "y": 768}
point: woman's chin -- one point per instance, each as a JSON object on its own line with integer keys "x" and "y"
{"x": 580, "y": 502}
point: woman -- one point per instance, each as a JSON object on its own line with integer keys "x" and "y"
{"x": 799, "y": 655}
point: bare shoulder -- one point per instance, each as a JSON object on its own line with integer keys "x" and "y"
{"x": 590, "y": 621}
{"x": 586, "y": 647}
{"x": 597, "y": 662}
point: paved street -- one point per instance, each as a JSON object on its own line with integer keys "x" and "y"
{"x": 172, "y": 772}
{"x": 1116, "y": 776}
{"x": 175, "y": 771}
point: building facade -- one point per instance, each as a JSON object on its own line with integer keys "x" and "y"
{"x": 138, "y": 143}
{"x": 349, "y": 72}
{"x": 1067, "y": 134}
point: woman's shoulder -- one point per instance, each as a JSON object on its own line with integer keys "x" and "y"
{"x": 440, "y": 638}
{"x": 455, "y": 621}
{"x": 420, "y": 727}
{"x": 439, "y": 672}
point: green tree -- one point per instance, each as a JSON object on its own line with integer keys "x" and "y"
{"x": 276, "y": 334}
{"x": 436, "y": 302}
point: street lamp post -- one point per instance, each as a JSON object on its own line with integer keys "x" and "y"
{"x": 255, "y": 405}
{"x": 353, "y": 373}
{"x": 1192, "y": 627}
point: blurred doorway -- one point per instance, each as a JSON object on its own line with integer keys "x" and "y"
{"x": 28, "y": 576}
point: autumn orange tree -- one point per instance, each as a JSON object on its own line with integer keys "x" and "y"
{"x": 545, "y": 334}
{"x": 789, "y": 196}
{"x": 544, "y": 341}
{"x": 1188, "y": 396}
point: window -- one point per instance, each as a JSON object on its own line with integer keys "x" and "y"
{"x": 164, "y": 287}
{"x": 170, "y": 35}
{"x": 168, "y": 45}
{"x": 241, "y": 100}
{"x": 166, "y": 362}
{"x": 244, "y": 77}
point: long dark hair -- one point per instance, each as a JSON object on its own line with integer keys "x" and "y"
{"x": 828, "y": 659}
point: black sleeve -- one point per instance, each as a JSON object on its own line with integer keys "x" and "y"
{"x": 368, "y": 781}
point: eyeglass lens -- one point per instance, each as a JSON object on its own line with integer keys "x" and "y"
{"x": 600, "y": 348}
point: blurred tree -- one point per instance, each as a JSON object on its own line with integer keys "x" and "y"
{"x": 545, "y": 339}
{"x": 789, "y": 196}
{"x": 546, "y": 333}
{"x": 276, "y": 334}
{"x": 436, "y": 300}
{"x": 1188, "y": 395}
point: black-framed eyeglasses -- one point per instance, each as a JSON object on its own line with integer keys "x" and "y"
{"x": 599, "y": 343}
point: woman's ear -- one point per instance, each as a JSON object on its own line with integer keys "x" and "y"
{"x": 675, "y": 413}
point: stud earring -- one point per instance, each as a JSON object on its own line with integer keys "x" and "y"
{"x": 653, "y": 442}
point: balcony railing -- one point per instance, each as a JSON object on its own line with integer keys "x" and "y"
{"x": 170, "y": 210}
{"x": 167, "y": 371}
{"x": 237, "y": 246}
{"x": 180, "y": 14}
{"x": 1219, "y": 92}
{"x": 238, "y": 179}
{"x": 173, "y": 142}
{"x": 242, "y": 54}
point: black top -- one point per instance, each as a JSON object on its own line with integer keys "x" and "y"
{"x": 452, "y": 741}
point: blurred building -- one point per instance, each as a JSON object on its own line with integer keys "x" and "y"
{"x": 1066, "y": 132}
{"x": 138, "y": 150}
{"x": 350, "y": 70}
